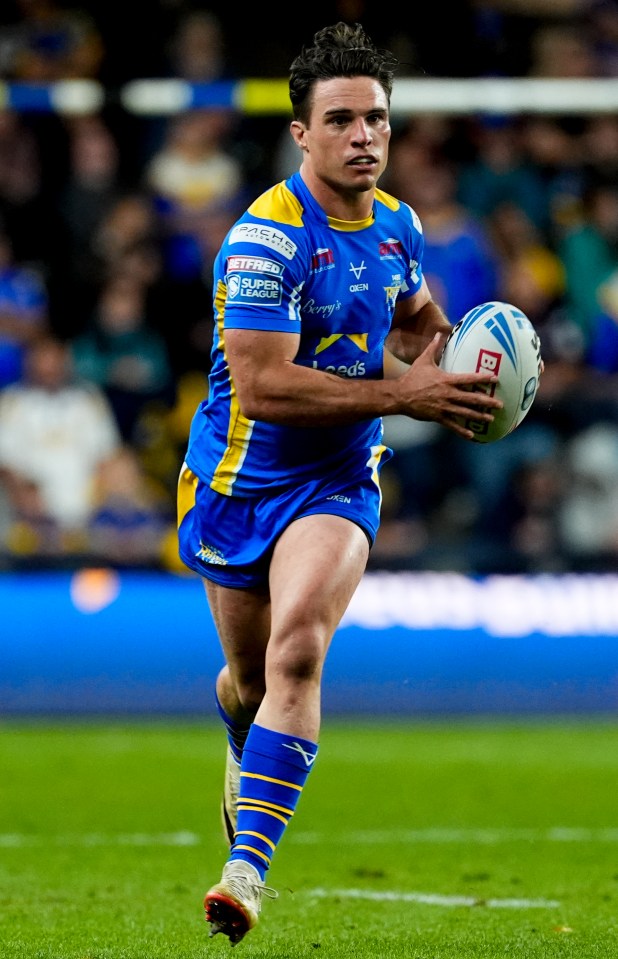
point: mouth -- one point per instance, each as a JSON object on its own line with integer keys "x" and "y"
{"x": 363, "y": 162}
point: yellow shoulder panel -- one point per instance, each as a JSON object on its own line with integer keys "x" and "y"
{"x": 278, "y": 204}
{"x": 390, "y": 201}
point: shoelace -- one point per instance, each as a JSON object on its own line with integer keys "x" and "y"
{"x": 240, "y": 885}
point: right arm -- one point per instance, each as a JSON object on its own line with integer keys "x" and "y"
{"x": 271, "y": 387}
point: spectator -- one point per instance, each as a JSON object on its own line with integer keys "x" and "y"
{"x": 598, "y": 399}
{"x": 521, "y": 533}
{"x": 23, "y": 312}
{"x": 589, "y": 252}
{"x": 50, "y": 42}
{"x": 123, "y": 355}
{"x": 531, "y": 274}
{"x": 30, "y": 534}
{"x": 192, "y": 175}
{"x": 599, "y": 147}
{"x": 129, "y": 221}
{"x": 506, "y": 31}
{"x": 500, "y": 172}
{"x": 602, "y": 353}
{"x": 55, "y": 431}
{"x": 196, "y": 51}
{"x": 554, "y": 147}
{"x": 563, "y": 50}
{"x": 131, "y": 515}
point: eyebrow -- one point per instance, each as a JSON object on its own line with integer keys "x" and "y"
{"x": 337, "y": 111}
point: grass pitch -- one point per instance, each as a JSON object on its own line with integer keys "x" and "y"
{"x": 419, "y": 840}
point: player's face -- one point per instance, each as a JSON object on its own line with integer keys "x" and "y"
{"x": 345, "y": 144}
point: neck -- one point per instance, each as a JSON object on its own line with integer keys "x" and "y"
{"x": 337, "y": 202}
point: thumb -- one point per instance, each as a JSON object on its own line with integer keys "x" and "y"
{"x": 436, "y": 346}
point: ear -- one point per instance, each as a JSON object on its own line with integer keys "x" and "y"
{"x": 297, "y": 129}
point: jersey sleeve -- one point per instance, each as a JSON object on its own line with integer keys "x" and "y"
{"x": 259, "y": 280}
{"x": 413, "y": 279}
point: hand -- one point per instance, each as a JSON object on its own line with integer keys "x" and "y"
{"x": 450, "y": 399}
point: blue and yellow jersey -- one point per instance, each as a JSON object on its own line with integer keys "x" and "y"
{"x": 285, "y": 266}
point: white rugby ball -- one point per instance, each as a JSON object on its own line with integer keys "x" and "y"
{"x": 497, "y": 337}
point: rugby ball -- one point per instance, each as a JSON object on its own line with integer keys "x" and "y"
{"x": 497, "y": 337}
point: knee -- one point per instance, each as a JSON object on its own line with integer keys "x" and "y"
{"x": 297, "y": 661}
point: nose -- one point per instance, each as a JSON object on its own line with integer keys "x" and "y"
{"x": 361, "y": 132}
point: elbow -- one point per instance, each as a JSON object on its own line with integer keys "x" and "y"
{"x": 251, "y": 411}
{"x": 264, "y": 396}
{"x": 253, "y": 405}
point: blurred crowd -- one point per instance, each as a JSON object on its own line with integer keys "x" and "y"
{"x": 109, "y": 224}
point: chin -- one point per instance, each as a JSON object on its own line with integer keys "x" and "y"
{"x": 364, "y": 182}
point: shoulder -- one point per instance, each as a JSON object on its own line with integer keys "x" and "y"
{"x": 401, "y": 211}
{"x": 274, "y": 222}
{"x": 278, "y": 204}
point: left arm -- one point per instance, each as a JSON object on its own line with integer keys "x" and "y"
{"x": 415, "y": 323}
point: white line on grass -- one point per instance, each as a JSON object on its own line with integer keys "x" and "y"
{"x": 558, "y": 834}
{"x": 184, "y": 838}
{"x": 434, "y": 900}
{"x": 487, "y": 837}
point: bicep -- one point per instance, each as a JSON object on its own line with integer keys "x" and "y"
{"x": 405, "y": 310}
{"x": 416, "y": 320}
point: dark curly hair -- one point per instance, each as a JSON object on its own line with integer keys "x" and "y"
{"x": 341, "y": 50}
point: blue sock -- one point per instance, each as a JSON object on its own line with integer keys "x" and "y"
{"x": 273, "y": 772}
{"x": 236, "y": 732}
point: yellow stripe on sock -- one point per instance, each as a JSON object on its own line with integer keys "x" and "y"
{"x": 267, "y": 812}
{"x": 265, "y": 802}
{"x": 258, "y": 835}
{"x": 256, "y": 852}
{"x": 269, "y": 779}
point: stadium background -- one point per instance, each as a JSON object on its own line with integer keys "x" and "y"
{"x": 110, "y": 212}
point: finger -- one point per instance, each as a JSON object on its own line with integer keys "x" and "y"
{"x": 478, "y": 399}
{"x": 471, "y": 380}
{"x": 469, "y": 413}
{"x": 456, "y": 427}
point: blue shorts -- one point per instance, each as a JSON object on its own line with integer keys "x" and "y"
{"x": 230, "y": 539}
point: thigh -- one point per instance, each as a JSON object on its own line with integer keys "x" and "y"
{"x": 316, "y": 566}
